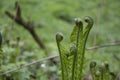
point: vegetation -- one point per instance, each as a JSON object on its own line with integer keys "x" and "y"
{"x": 72, "y": 61}
{"x": 23, "y": 59}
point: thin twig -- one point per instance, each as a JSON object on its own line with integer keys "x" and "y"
{"x": 102, "y": 46}
{"x": 51, "y": 57}
{"x": 25, "y": 24}
{"x": 29, "y": 64}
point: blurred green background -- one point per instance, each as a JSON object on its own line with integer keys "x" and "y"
{"x": 58, "y": 16}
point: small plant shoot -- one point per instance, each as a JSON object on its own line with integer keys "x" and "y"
{"x": 72, "y": 61}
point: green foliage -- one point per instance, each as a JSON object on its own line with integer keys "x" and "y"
{"x": 57, "y": 15}
{"x": 72, "y": 61}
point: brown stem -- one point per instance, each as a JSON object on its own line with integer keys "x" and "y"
{"x": 19, "y": 20}
{"x": 37, "y": 39}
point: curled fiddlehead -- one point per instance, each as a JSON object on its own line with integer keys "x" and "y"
{"x": 75, "y": 35}
{"x": 89, "y": 22}
{"x": 83, "y": 39}
{"x": 59, "y": 37}
{"x": 63, "y": 57}
{"x": 78, "y": 21}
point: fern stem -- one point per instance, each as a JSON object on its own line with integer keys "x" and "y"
{"x": 59, "y": 38}
{"x": 73, "y": 65}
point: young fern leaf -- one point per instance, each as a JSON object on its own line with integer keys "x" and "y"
{"x": 63, "y": 56}
{"x": 76, "y": 31}
{"x": 86, "y": 31}
{"x": 88, "y": 20}
{"x": 78, "y": 34}
{"x": 72, "y": 61}
{"x": 81, "y": 47}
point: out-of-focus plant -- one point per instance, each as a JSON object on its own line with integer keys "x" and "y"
{"x": 8, "y": 61}
{"x": 101, "y": 72}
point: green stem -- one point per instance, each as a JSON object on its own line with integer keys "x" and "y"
{"x": 85, "y": 36}
{"x": 59, "y": 38}
{"x": 73, "y": 65}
